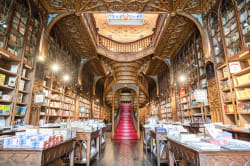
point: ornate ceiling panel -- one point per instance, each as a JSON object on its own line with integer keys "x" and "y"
{"x": 126, "y": 33}
{"x": 177, "y": 31}
{"x": 158, "y": 6}
{"x": 76, "y": 35}
{"x": 156, "y": 66}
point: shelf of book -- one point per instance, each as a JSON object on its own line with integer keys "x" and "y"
{"x": 84, "y": 108}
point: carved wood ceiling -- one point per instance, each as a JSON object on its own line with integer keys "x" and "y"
{"x": 78, "y": 37}
{"x": 155, "y": 67}
{"x": 126, "y": 33}
{"x": 178, "y": 30}
{"x": 158, "y": 6}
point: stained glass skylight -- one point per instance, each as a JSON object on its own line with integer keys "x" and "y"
{"x": 125, "y": 19}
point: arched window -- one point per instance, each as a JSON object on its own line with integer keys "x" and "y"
{"x": 243, "y": 7}
{"x": 230, "y": 27}
{"x": 216, "y": 39}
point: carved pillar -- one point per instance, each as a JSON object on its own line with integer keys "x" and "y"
{"x": 92, "y": 107}
{"x": 113, "y": 115}
{"x": 77, "y": 108}
{"x": 138, "y": 119}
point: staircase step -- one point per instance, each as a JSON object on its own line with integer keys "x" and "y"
{"x": 125, "y": 129}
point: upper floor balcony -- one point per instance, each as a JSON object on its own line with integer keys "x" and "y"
{"x": 107, "y": 45}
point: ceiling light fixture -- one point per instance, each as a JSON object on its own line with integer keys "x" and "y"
{"x": 182, "y": 78}
{"x": 41, "y": 58}
{"x": 55, "y": 67}
{"x": 66, "y": 77}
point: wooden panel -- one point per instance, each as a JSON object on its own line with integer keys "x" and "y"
{"x": 214, "y": 100}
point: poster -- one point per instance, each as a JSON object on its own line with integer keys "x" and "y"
{"x": 39, "y": 99}
{"x": 200, "y": 95}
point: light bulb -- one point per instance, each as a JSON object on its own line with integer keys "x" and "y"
{"x": 182, "y": 78}
{"x": 41, "y": 58}
{"x": 66, "y": 77}
{"x": 55, "y": 67}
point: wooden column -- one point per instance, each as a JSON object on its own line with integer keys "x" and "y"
{"x": 77, "y": 108}
{"x": 113, "y": 115}
{"x": 138, "y": 119}
{"x": 92, "y": 107}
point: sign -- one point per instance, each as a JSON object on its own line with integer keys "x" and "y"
{"x": 39, "y": 99}
{"x": 200, "y": 95}
{"x": 182, "y": 92}
{"x": 234, "y": 67}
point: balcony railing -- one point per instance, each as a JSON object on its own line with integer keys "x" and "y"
{"x": 125, "y": 47}
{"x": 120, "y": 47}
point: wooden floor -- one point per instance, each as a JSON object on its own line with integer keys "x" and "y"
{"x": 124, "y": 153}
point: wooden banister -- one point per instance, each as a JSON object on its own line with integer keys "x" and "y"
{"x": 125, "y": 47}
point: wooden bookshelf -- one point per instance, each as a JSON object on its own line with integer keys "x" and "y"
{"x": 17, "y": 68}
{"x": 189, "y": 63}
{"x": 84, "y": 108}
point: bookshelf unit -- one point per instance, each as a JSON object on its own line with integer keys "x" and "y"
{"x": 194, "y": 78}
{"x": 155, "y": 109}
{"x": 97, "y": 111}
{"x": 84, "y": 108}
{"x": 166, "y": 109}
{"x": 20, "y": 32}
{"x": 231, "y": 19}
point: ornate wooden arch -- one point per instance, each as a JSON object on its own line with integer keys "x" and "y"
{"x": 128, "y": 86}
{"x": 202, "y": 30}
{"x": 81, "y": 68}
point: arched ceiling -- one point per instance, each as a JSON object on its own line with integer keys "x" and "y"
{"x": 177, "y": 31}
{"x": 72, "y": 28}
{"x": 155, "y": 67}
{"x": 77, "y": 32}
{"x": 158, "y": 6}
{"x": 125, "y": 33}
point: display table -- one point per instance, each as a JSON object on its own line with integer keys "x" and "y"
{"x": 195, "y": 157}
{"x": 32, "y": 157}
{"x": 102, "y": 137}
{"x": 8, "y": 132}
{"x": 193, "y": 129}
{"x": 238, "y": 134}
{"x": 145, "y": 135}
{"x": 83, "y": 136}
{"x": 160, "y": 138}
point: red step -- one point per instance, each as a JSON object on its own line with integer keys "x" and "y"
{"x": 125, "y": 129}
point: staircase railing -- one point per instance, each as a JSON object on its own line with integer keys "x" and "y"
{"x": 117, "y": 118}
{"x": 135, "y": 122}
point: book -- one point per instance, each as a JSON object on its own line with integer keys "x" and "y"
{"x": 20, "y": 97}
{"x": 2, "y": 79}
{"x": 12, "y": 81}
{"x": 21, "y": 85}
{"x": 14, "y": 68}
{"x": 1, "y": 109}
{"x": 7, "y": 109}
{"x": 24, "y": 72}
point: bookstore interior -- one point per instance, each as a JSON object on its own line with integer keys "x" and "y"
{"x": 124, "y": 82}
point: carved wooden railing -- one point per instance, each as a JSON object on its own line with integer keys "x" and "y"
{"x": 135, "y": 122}
{"x": 117, "y": 118}
{"x": 127, "y": 47}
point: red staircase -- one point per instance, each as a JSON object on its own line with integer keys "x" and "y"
{"x": 125, "y": 129}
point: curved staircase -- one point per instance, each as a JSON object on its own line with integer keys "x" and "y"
{"x": 125, "y": 129}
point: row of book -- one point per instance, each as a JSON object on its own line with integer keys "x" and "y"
{"x": 20, "y": 110}
{"x": 5, "y": 109}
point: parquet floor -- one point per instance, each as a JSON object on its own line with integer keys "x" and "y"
{"x": 124, "y": 153}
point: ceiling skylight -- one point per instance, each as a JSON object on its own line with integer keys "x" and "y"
{"x": 125, "y": 19}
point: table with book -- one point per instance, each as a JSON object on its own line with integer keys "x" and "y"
{"x": 85, "y": 151}
{"x": 216, "y": 148}
{"x": 158, "y": 146}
